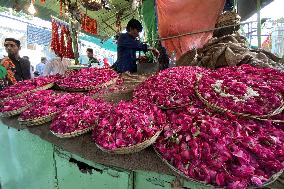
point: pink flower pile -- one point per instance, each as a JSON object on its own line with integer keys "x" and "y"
{"x": 244, "y": 89}
{"x": 128, "y": 124}
{"x": 25, "y": 86}
{"x": 80, "y": 116}
{"x": 14, "y": 104}
{"x": 170, "y": 88}
{"x": 42, "y": 107}
{"x": 49, "y": 103}
{"x": 23, "y": 101}
{"x": 87, "y": 78}
{"x": 221, "y": 150}
{"x": 33, "y": 97}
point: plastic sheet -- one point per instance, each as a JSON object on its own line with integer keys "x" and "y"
{"x": 182, "y": 16}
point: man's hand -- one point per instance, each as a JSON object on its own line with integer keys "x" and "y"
{"x": 155, "y": 52}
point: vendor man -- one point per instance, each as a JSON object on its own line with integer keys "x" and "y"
{"x": 18, "y": 69}
{"x": 127, "y": 45}
{"x": 92, "y": 60}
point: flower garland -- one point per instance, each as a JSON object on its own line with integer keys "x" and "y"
{"x": 10, "y": 67}
{"x": 55, "y": 44}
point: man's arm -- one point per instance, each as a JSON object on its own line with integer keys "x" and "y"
{"x": 128, "y": 42}
{"x": 27, "y": 70}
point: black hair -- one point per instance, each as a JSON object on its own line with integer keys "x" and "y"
{"x": 90, "y": 50}
{"x": 18, "y": 43}
{"x": 134, "y": 24}
{"x": 43, "y": 59}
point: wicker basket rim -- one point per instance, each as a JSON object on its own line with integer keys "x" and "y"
{"x": 134, "y": 148}
{"x": 216, "y": 107}
{"x": 14, "y": 112}
{"x": 72, "y": 134}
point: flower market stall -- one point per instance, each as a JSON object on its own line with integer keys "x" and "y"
{"x": 222, "y": 130}
{"x": 208, "y": 123}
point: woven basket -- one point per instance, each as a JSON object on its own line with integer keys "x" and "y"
{"x": 26, "y": 92}
{"x": 134, "y": 148}
{"x": 188, "y": 59}
{"x": 228, "y": 18}
{"x": 44, "y": 87}
{"x": 72, "y": 134}
{"x": 116, "y": 97}
{"x": 272, "y": 179}
{"x": 14, "y": 112}
{"x": 223, "y": 110}
{"x": 88, "y": 88}
{"x": 38, "y": 120}
{"x": 16, "y": 96}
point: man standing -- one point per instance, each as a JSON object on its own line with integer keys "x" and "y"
{"x": 92, "y": 60}
{"x": 127, "y": 45}
{"x": 40, "y": 67}
{"x": 18, "y": 69}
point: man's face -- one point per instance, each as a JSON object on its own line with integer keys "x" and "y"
{"x": 89, "y": 54}
{"x": 11, "y": 48}
{"x": 134, "y": 32}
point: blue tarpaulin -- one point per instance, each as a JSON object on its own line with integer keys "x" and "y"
{"x": 38, "y": 36}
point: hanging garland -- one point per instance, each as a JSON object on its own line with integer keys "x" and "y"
{"x": 55, "y": 46}
{"x": 69, "y": 50}
{"x": 62, "y": 46}
{"x": 62, "y": 42}
{"x": 10, "y": 67}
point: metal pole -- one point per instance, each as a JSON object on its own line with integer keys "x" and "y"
{"x": 258, "y": 24}
{"x": 235, "y": 6}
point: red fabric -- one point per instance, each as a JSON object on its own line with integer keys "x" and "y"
{"x": 89, "y": 25}
{"x": 183, "y": 16}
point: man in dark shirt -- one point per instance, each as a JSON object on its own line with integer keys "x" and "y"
{"x": 127, "y": 45}
{"x": 92, "y": 59}
{"x": 21, "y": 67}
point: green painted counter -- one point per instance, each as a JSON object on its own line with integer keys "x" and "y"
{"x": 32, "y": 158}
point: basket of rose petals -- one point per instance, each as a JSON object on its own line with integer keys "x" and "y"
{"x": 79, "y": 118}
{"x": 171, "y": 88}
{"x": 13, "y": 107}
{"x": 128, "y": 127}
{"x": 121, "y": 90}
{"x": 47, "y": 107}
{"x": 245, "y": 91}
{"x": 24, "y": 87}
{"x": 221, "y": 150}
{"x": 87, "y": 79}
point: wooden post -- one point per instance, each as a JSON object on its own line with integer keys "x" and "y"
{"x": 258, "y": 24}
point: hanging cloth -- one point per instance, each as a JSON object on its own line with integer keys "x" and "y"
{"x": 150, "y": 21}
{"x": 179, "y": 16}
{"x": 89, "y": 25}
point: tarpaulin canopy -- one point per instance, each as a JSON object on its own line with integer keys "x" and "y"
{"x": 178, "y": 16}
{"x": 108, "y": 45}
